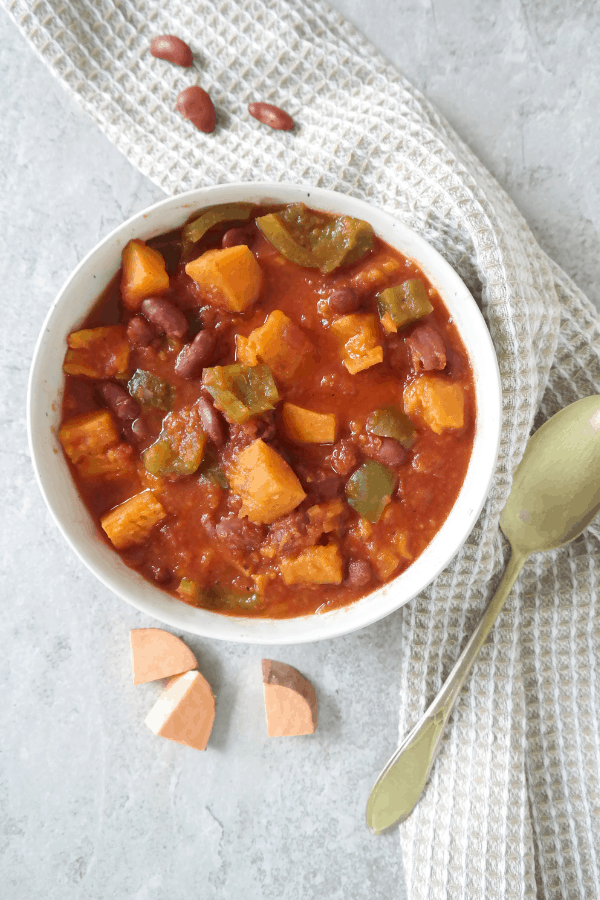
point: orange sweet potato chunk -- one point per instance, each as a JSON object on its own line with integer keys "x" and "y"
{"x": 358, "y": 334}
{"x": 144, "y": 273}
{"x": 290, "y": 700}
{"x": 440, "y": 403}
{"x": 279, "y": 343}
{"x": 132, "y": 521}
{"x": 91, "y": 442}
{"x": 317, "y": 565}
{"x": 307, "y": 426}
{"x": 231, "y": 278}
{"x": 158, "y": 654}
{"x": 185, "y": 711}
{"x": 97, "y": 352}
{"x": 265, "y": 482}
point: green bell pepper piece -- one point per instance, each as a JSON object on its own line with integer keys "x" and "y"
{"x": 389, "y": 421}
{"x": 179, "y": 448}
{"x": 368, "y": 490}
{"x": 151, "y": 390}
{"x": 208, "y": 218}
{"x": 316, "y": 240}
{"x": 405, "y": 303}
{"x": 211, "y": 471}
{"x": 241, "y": 391}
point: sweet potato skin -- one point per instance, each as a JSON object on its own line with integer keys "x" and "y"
{"x": 290, "y": 700}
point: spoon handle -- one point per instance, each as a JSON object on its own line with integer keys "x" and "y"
{"x": 400, "y": 784}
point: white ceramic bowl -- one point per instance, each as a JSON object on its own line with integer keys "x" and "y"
{"x": 44, "y": 410}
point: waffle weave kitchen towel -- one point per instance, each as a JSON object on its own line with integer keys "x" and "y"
{"x": 513, "y": 805}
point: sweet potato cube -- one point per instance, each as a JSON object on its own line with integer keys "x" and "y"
{"x": 326, "y": 515}
{"x": 144, "y": 273}
{"x": 231, "y": 278}
{"x": 440, "y": 403}
{"x": 290, "y": 700}
{"x": 185, "y": 711}
{"x": 265, "y": 482}
{"x": 89, "y": 434}
{"x": 280, "y": 344}
{"x": 317, "y": 565}
{"x": 158, "y": 654}
{"x": 307, "y": 426}
{"x": 132, "y": 521}
{"x": 97, "y": 352}
{"x": 358, "y": 333}
{"x": 245, "y": 353}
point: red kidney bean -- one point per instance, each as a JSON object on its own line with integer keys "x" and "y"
{"x": 359, "y": 574}
{"x": 344, "y": 457}
{"x": 196, "y": 355}
{"x": 236, "y": 236}
{"x": 344, "y": 300}
{"x": 240, "y": 533}
{"x": 118, "y": 401}
{"x": 385, "y": 450}
{"x": 195, "y": 104}
{"x": 271, "y": 115}
{"x": 172, "y": 49}
{"x": 211, "y": 420}
{"x": 139, "y": 430}
{"x": 140, "y": 332}
{"x": 161, "y": 574}
{"x": 166, "y": 316}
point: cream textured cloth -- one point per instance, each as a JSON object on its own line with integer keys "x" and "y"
{"x": 512, "y": 807}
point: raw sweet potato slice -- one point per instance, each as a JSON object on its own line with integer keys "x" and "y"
{"x": 290, "y": 700}
{"x": 144, "y": 274}
{"x": 231, "y": 278}
{"x": 158, "y": 654}
{"x": 267, "y": 485}
{"x": 185, "y": 711}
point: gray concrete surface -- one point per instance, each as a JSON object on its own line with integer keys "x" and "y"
{"x": 92, "y": 805}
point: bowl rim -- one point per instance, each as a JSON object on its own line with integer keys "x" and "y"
{"x": 378, "y": 603}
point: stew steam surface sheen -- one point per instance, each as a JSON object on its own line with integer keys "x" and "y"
{"x": 268, "y": 412}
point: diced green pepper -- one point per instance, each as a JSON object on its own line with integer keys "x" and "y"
{"x": 151, "y": 390}
{"x": 316, "y": 240}
{"x": 369, "y": 489}
{"x": 219, "y": 596}
{"x": 179, "y": 448}
{"x": 405, "y": 303}
{"x": 190, "y": 591}
{"x": 215, "y": 215}
{"x": 389, "y": 421}
{"x": 211, "y": 471}
{"x": 241, "y": 392}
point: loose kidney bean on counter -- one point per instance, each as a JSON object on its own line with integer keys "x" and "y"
{"x": 140, "y": 332}
{"x": 166, "y": 316}
{"x": 172, "y": 49}
{"x": 211, "y": 421}
{"x": 195, "y": 104}
{"x": 196, "y": 355}
{"x": 344, "y": 300}
{"x": 118, "y": 401}
{"x": 271, "y": 115}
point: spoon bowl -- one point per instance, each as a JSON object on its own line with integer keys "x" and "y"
{"x": 555, "y": 495}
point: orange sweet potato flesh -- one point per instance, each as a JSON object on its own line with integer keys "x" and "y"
{"x": 132, "y": 521}
{"x": 358, "y": 333}
{"x": 440, "y": 403}
{"x": 279, "y": 343}
{"x": 144, "y": 274}
{"x": 97, "y": 352}
{"x": 307, "y": 426}
{"x": 231, "y": 277}
{"x": 91, "y": 442}
{"x": 316, "y": 565}
{"x": 158, "y": 654}
{"x": 185, "y": 711}
{"x": 290, "y": 700}
{"x": 266, "y": 484}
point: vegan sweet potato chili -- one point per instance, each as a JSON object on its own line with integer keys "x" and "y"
{"x": 269, "y": 412}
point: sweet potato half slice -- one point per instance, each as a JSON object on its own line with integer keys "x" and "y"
{"x": 290, "y": 700}
{"x": 158, "y": 654}
{"x": 185, "y": 711}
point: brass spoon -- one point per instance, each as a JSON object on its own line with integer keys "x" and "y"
{"x": 554, "y": 496}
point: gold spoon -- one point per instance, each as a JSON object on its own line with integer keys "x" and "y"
{"x": 554, "y": 496}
